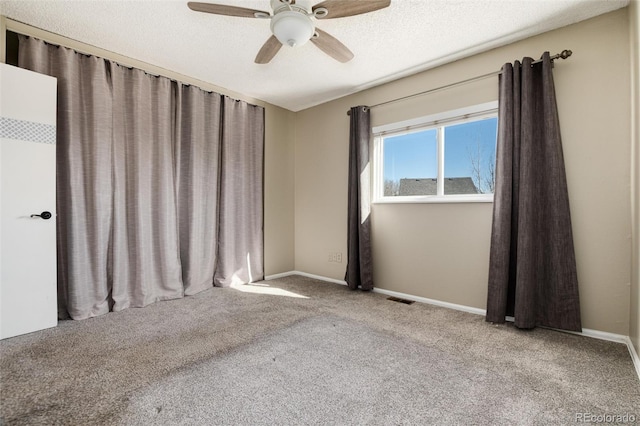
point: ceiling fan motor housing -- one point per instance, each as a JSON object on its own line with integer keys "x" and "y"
{"x": 292, "y": 23}
{"x": 292, "y": 27}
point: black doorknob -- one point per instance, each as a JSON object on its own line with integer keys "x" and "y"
{"x": 43, "y": 215}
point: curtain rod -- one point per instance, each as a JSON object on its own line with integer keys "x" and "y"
{"x": 562, "y": 55}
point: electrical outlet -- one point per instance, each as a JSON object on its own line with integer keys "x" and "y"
{"x": 334, "y": 257}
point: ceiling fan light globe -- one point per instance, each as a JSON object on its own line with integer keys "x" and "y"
{"x": 292, "y": 28}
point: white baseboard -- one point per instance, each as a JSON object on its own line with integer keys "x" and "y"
{"x": 305, "y": 274}
{"x": 634, "y": 355}
{"x": 600, "y": 335}
{"x": 385, "y": 292}
{"x": 440, "y": 303}
{"x": 595, "y": 334}
{"x": 280, "y": 275}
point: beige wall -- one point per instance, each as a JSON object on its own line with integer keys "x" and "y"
{"x": 440, "y": 251}
{"x": 634, "y": 326}
{"x": 278, "y": 190}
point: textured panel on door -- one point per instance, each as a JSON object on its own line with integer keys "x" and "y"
{"x": 27, "y": 131}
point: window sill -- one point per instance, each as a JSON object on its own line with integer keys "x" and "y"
{"x": 434, "y": 199}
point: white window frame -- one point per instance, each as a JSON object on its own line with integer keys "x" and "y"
{"x": 420, "y": 124}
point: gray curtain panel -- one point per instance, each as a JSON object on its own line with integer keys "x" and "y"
{"x": 145, "y": 264}
{"x": 359, "y": 256}
{"x": 84, "y": 174}
{"x": 532, "y": 272}
{"x": 198, "y": 129}
{"x": 240, "y": 230}
{"x": 145, "y": 208}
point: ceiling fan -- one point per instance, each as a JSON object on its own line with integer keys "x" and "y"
{"x": 292, "y": 23}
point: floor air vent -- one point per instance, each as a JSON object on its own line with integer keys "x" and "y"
{"x": 399, "y": 300}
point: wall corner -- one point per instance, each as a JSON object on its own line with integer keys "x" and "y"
{"x": 3, "y": 39}
{"x": 634, "y": 320}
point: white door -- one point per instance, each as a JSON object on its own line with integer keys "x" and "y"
{"x": 27, "y": 188}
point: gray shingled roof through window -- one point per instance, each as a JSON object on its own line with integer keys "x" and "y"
{"x": 428, "y": 186}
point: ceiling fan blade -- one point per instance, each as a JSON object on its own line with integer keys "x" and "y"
{"x": 342, "y": 8}
{"x": 332, "y": 46}
{"x": 223, "y": 9}
{"x": 268, "y": 50}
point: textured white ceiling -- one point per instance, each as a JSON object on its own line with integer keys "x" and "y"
{"x": 407, "y": 37}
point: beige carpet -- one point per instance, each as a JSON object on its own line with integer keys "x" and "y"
{"x": 301, "y": 351}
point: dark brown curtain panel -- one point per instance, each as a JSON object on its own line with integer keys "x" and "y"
{"x": 146, "y": 211}
{"x": 532, "y": 272}
{"x": 359, "y": 257}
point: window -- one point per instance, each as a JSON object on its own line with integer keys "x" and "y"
{"x": 448, "y": 157}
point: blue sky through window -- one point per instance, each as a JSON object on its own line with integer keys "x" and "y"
{"x": 414, "y": 155}
{"x": 475, "y": 140}
{"x": 469, "y": 152}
